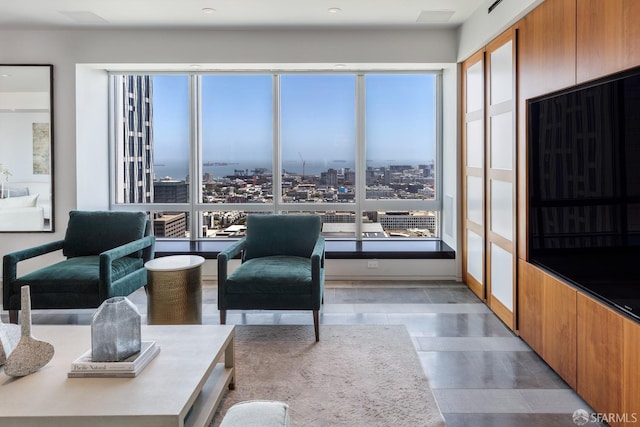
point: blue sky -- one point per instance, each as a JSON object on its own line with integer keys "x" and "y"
{"x": 317, "y": 118}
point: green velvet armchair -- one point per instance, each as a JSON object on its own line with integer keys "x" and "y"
{"x": 105, "y": 255}
{"x": 282, "y": 267}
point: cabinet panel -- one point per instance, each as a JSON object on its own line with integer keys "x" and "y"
{"x": 530, "y": 287}
{"x": 502, "y": 277}
{"x": 501, "y": 208}
{"x": 475, "y": 143}
{"x": 607, "y": 37}
{"x": 475, "y": 246}
{"x": 600, "y": 357}
{"x": 474, "y": 199}
{"x": 546, "y": 48}
{"x": 546, "y": 62}
{"x": 502, "y": 146}
{"x": 631, "y": 377}
{"x": 559, "y": 328}
{"x": 547, "y": 319}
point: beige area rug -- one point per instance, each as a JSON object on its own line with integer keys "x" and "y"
{"x": 364, "y": 375}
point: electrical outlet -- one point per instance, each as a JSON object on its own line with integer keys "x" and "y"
{"x": 372, "y": 263}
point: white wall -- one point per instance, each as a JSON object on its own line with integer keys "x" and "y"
{"x": 81, "y": 114}
{"x": 482, "y": 26}
{"x": 16, "y": 149}
{"x": 451, "y": 160}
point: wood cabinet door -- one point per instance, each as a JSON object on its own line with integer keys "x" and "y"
{"x": 500, "y": 182}
{"x": 600, "y": 356}
{"x": 473, "y": 179}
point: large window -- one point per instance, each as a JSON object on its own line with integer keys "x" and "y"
{"x": 200, "y": 152}
{"x": 318, "y": 134}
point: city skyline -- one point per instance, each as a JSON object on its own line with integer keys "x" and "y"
{"x": 317, "y": 144}
{"x": 317, "y": 122}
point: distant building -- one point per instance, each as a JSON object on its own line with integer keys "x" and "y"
{"x": 137, "y": 134}
{"x": 337, "y": 217}
{"x": 349, "y": 176}
{"x": 170, "y": 191}
{"x": 348, "y": 230}
{"x": 170, "y": 225}
{"x": 407, "y": 220}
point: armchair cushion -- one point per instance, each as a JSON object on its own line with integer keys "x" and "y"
{"x": 78, "y": 274}
{"x": 272, "y": 275}
{"x": 114, "y": 229}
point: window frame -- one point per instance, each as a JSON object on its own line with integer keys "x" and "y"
{"x": 195, "y": 208}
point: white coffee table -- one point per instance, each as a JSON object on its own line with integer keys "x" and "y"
{"x": 181, "y": 386}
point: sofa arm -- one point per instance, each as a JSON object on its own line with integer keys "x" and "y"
{"x": 107, "y": 257}
{"x": 10, "y": 263}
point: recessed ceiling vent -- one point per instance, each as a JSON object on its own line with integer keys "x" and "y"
{"x": 84, "y": 17}
{"x": 493, "y": 6}
{"x": 435, "y": 16}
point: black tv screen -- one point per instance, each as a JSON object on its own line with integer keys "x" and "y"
{"x": 584, "y": 187}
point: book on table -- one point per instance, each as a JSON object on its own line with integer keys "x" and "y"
{"x": 130, "y": 367}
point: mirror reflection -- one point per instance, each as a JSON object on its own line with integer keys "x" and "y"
{"x": 26, "y": 148}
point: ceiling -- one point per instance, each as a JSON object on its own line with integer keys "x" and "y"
{"x": 206, "y": 14}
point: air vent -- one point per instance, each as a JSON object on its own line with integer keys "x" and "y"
{"x": 435, "y": 16}
{"x": 493, "y": 6}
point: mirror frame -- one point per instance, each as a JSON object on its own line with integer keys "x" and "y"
{"x": 50, "y": 227}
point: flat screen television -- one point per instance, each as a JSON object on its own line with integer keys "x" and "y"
{"x": 583, "y": 170}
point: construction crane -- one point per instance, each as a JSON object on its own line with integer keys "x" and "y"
{"x": 303, "y": 163}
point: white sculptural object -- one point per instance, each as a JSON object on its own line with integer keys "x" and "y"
{"x": 30, "y": 354}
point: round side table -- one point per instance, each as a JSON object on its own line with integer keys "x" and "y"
{"x": 174, "y": 290}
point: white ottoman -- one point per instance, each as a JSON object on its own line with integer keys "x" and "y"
{"x": 257, "y": 413}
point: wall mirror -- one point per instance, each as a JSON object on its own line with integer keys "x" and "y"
{"x": 26, "y": 148}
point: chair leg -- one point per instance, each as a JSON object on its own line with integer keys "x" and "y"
{"x": 223, "y": 317}
{"x": 13, "y": 316}
{"x": 316, "y": 325}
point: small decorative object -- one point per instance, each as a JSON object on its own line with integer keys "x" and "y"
{"x": 7, "y": 173}
{"x": 115, "y": 331}
{"x": 9, "y": 339}
{"x": 85, "y": 367}
{"x": 30, "y": 354}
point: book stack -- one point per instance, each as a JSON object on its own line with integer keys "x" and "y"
{"x": 84, "y": 367}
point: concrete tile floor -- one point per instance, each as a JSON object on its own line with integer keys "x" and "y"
{"x": 480, "y": 372}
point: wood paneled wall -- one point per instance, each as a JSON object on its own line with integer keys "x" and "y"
{"x": 546, "y": 62}
{"x": 595, "y": 349}
{"x": 608, "y": 37}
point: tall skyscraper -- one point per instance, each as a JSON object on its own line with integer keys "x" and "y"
{"x": 137, "y": 149}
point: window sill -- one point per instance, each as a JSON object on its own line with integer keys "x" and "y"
{"x": 335, "y": 249}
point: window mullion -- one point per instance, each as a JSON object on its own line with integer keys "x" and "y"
{"x": 361, "y": 162}
{"x": 196, "y": 153}
{"x": 277, "y": 151}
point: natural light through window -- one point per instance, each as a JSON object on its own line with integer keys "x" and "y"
{"x": 200, "y": 152}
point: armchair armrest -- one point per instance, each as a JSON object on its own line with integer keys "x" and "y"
{"x": 317, "y": 264}
{"x": 10, "y": 262}
{"x": 233, "y": 250}
{"x": 318, "y": 252}
{"x": 224, "y": 257}
{"x": 107, "y": 257}
{"x": 223, "y": 260}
